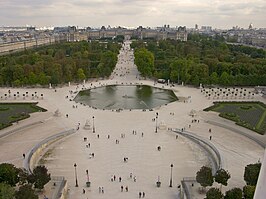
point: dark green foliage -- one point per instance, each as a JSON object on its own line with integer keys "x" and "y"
{"x": 13, "y": 112}
{"x": 206, "y": 60}
{"x": 235, "y": 193}
{"x": 119, "y": 38}
{"x": 222, "y": 176}
{"x": 6, "y": 191}
{"x": 249, "y": 191}
{"x": 9, "y": 174}
{"x": 39, "y": 177}
{"x": 23, "y": 176}
{"x": 251, "y": 174}
{"x": 58, "y": 63}
{"x": 144, "y": 60}
{"x": 204, "y": 176}
{"x": 80, "y": 74}
{"x": 250, "y": 115}
{"x": 214, "y": 193}
{"x": 25, "y": 192}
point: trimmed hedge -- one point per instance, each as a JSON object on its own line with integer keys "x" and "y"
{"x": 248, "y": 121}
{"x": 17, "y": 116}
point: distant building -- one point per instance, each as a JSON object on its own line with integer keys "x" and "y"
{"x": 164, "y": 32}
{"x": 206, "y": 28}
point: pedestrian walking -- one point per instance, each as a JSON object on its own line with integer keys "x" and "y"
{"x": 210, "y": 137}
{"x": 130, "y": 175}
{"x": 120, "y": 179}
{"x": 122, "y": 188}
{"x": 126, "y": 188}
{"x": 83, "y": 191}
{"x": 143, "y": 195}
{"x": 23, "y": 155}
{"x": 139, "y": 194}
{"x": 102, "y": 190}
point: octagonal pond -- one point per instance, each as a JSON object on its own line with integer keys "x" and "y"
{"x": 125, "y": 97}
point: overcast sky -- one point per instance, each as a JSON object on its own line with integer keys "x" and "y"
{"x": 132, "y": 13}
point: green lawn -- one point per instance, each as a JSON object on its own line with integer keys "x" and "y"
{"x": 251, "y": 115}
{"x": 13, "y": 112}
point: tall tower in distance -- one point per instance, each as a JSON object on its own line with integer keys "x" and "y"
{"x": 196, "y": 27}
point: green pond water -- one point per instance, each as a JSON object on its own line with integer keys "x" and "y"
{"x": 125, "y": 97}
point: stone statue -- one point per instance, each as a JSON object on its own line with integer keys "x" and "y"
{"x": 87, "y": 125}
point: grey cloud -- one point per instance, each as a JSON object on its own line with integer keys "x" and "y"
{"x": 132, "y": 12}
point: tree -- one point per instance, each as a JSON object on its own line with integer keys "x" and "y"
{"x": 25, "y": 192}
{"x": 23, "y": 176}
{"x": 225, "y": 79}
{"x": 235, "y": 193}
{"x": 39, "y": 177}
{"x": 249, "y": 191}
{"x": 43, "y": 79}
{"x": 32, "y": 78}
{"x": 6, "y": 191}
{"x": 199, "y": 74}
{"x": 204, "y": 176}
{"x": 252, "y": 173}
{"x": 222, "y": 177}
{"x": 81, "y": 75}
{"x": 180, "y": 70}
{"x": 1, "y": 80}
{"x": 214, "y": 193}
{"x": 214, "y": 79}
{"x": 9, "y": 174}
{"x": 144, "y": 60}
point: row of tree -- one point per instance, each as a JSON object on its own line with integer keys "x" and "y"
{"x": 12, "y": 177}
{"x": 205, "y": 178}
{"x": 201, "y": 59}
{"x": 59, "y": 63}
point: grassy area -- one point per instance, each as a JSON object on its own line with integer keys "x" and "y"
{"x": 13, "y": 112}
{"x": 251, "y": 115}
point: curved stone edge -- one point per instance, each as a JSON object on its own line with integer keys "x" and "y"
{"x": 184, "y": 184}
{"x": 31, "y": 156}
{"x": 211, "y": 150}
{"x": 260, "y": 191}
{"x": 60, "y": 190}
{"x": 259, "y": 142}
{"x": 19, "y": 129}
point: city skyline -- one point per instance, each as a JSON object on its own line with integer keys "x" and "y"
{"x": 132, "y": 13}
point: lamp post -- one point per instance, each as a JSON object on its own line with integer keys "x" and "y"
{"x": 93, "y": 127}
{"x": 75, "y": 166}
{"x": 171, "y": 178}
{"x": 156, "y": 127}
